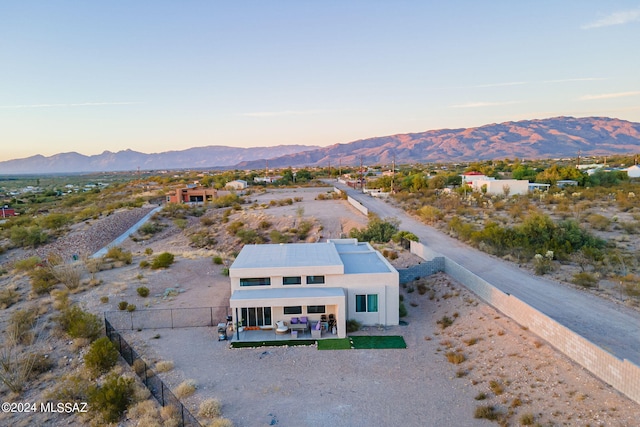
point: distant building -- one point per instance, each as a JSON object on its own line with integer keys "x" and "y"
{"x": 566, "y": 183}
{"x": 238, "y": 184}
{"x": 266, "y": 179}
{"x": 7, "y": 212}
{"x": 633, "y": 171}
{"x": 192, "y": 195}
{"x": 501, "y": 186}
{"x": 470, "y": 177}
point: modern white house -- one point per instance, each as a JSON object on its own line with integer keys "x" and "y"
{"x": 340, "y": 279}
{"x": 238, "y": 184}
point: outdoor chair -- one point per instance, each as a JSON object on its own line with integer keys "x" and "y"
{"x": 281, "y": 327}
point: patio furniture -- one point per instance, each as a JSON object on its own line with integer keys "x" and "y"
{"x": 301, "y": 327}
{"x": 294, "y": 320}
{"x": 316, "y": 331}
{"x": 294, "y": 335}
{"x": 281, "y": 327}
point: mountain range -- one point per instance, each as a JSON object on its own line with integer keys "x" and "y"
{"x": 556, "y": 137}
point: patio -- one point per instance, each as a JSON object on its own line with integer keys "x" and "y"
{"x": 271, "y": 335}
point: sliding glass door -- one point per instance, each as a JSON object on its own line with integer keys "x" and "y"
{"x": 256, "y": 316}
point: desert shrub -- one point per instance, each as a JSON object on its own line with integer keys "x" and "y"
{"x": 445, "y": 322}
{"x": 55, "y": 221}
{"x": 144, "y": 264}
{"x": 8, "y": 297}
{"x": 118, "y": 254}
{"x": 150, "y": 228}
{"x": 496, "y": 387}
{"x": 248, "y": 236}
{"x": 112, "y": 397}
{"x": 164, "y": 366}
{"x": 202, "y": 240}
{"x": 28, "y": 236}
{"x": 277, "y": 237}
{"x": 131, "y": 307}
{"x": 264, "y": 225}
{"x": 210, "y": 408}
{"x": 400, "y": 235}
{"x": 143, "y": 291}
{"x": 101, "y": 357}
{"x": 422, "y": 288}
{"x": 104, "y": 299}
{"x": 480, "y": 396}
{"x": 379, "y": 231}
{"x": 217, "y": 260}
{"x": 543, "y": 264}
{"x": 69, "y": 275}
{"x": 122, "y": 305}
{"x": 181, "y": 223}
{"x": 221, "y": 422}
{"x": 148, "y": 251}
{"x": 40, "y": 363}
{"x": 185, "y": 389}
{"x": 583, "y": 278}
{"x": 70, "y": 388}
{"x": 599, "y": 222}
{"x": 303, "y": 229}
{"x": 78, "y": 323}
{"x": 27, "y": 264}
{"x": 455, "y": 357}
{"x": 527, "y": 419}
{"x": 485, "y": 412}
{"x": 42, "y": 280}
{"x": 225, "y": 271}
{"x": 20, "y": 324}
{"x": 164, "y": 260}
{"x": 353, "y": 325}
{"x": 60, "y": 299}
{"x": 402, "y": 310}
{"x": 430, "y": 214}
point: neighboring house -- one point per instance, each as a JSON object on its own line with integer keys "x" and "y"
{"x": 470, "y": 177}
{"x": 501, "y": 186}
{"x": 633, "y": 171}
{"x": 6, "y": 212}
{"x": 566, "y": 183}
{"x": 341, "y": 277}
{"x": 238, "y": 184}
{"x": 192, "y": 195}
{"x": 266, "y": 179}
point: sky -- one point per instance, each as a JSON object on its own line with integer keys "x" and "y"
{"x": 154, "y": 76}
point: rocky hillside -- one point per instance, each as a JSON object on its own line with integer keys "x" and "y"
{"x": 528, "y": 139}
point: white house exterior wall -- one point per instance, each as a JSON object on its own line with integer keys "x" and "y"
{"x": 516, "y": 186}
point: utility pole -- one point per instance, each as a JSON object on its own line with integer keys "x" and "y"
{"x": 340, "y": 168}
{"x": 393, "y": 173}
{"x": 361, "y": 186}
{"x": 579, "y": 153}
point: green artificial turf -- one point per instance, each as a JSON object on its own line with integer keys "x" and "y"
{"x": 279, "y": 343}
{"x": 335, "y": 344}
{"x": 366, "y": 342}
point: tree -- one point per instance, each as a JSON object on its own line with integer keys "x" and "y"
{"x": 379, "y": 231}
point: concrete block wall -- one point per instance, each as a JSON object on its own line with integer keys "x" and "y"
{"x": 356, "y": 204}
{"x": 623, "y": 375}
{"x": 426, "y": 268}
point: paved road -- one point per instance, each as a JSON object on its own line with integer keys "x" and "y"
{"x": 611, "y": 326}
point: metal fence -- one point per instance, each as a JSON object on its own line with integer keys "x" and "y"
{"x": 167, "y": 318}
{"x": 158, "y": 389}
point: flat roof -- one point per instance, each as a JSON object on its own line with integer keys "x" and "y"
{"x": 344, "y": 256}
{"x": 287, "y": 255}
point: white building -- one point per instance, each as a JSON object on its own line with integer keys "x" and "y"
{"x": 341, "y": 277}
{"x": 238, "y": 184}
{"x": 633, "y": 171}
{"x": 502, "y": 186}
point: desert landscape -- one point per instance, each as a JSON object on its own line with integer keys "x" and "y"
{"x": 463, "y": 359}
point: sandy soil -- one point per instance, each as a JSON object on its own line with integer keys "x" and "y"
{"x": 306, "y": 387}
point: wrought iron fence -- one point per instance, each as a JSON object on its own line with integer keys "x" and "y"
{"x": 156, "y": 386}
{"x": 167, "y": 318}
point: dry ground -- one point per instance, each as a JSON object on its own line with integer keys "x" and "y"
{"x": 307, "y": 387}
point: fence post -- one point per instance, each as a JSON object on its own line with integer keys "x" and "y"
{"x": 171, "y": 312}
{"x": 182, "y": 412}
{"x": 162, "y": 391}
{"x": 131, "y": 320}
{"x": 119, "y": 343}
{"x": 211, "y": 311}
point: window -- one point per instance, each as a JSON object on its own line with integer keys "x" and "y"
{"x": 315, "y": 280}
{"x": 316, "y": 309}
{"x": 293, "y": 309}
{"x": 292, "y": 280}
{"x": 259, "y": 281}
{"x": 367, "y": 303}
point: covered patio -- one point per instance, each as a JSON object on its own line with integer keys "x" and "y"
{"x": 261, "y": 309}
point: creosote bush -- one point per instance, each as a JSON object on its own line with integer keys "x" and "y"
{"x": 353, "y": 325}
{"x": 78, "y": 323}
{"x": 112, "y": 397}
{"x": 485, "y": 412}
{"x": 101, "y": 357}
{"x": 116, "y": 253}
{"x": 143, "y": 291}
{"x": 122, "y": 305}
{"x": 164, "y": 260}
{"x": 42, "y": 280}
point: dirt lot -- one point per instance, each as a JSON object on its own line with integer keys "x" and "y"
{"x": 517, "y": 372}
